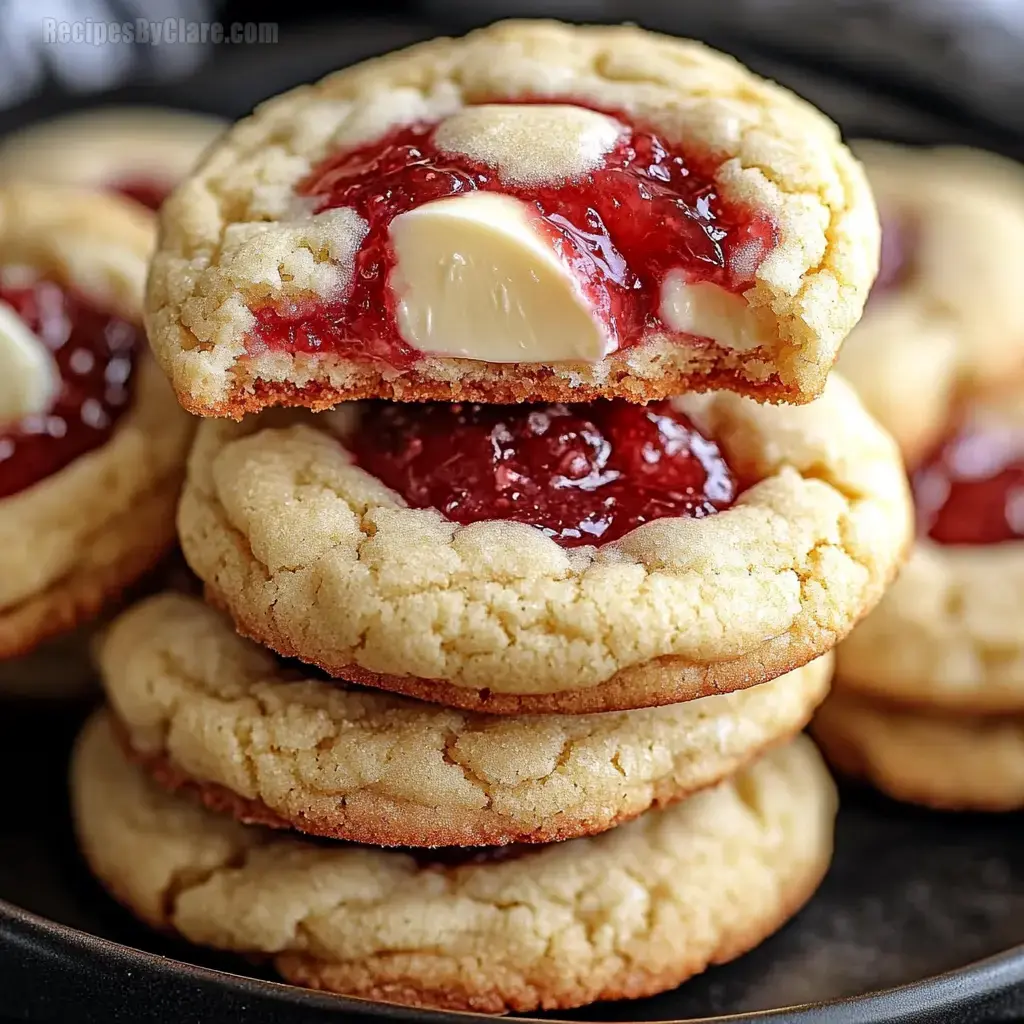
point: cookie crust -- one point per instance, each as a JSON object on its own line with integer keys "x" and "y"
{"x": 625, "y": 914}
{"x": 96, "y": 148}
{"x": 948, "y": 634}
{"x": 231, "y": 236}
{"x": 956, "y": 323}
{"x": 205, "y": 710}
{"x": 78, "y": 537}
{"x": 953, "y": 763}
{"x": 317, "y": 560}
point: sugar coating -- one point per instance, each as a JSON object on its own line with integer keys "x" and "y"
{"x": 317, "y": 559}
{"x": 530, "y": 144}
{"x": 206, "y": 708}
{"x": 628, "y": 913}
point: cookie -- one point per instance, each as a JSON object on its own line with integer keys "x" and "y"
{"x": 949, "y": 634}
{"x": 316, "y": 558}
{"x": 204, "y": 710}
{"x": 472, "y": 220}
{"x": 626, "y": 914}
{"x": 944, "y": 315}
{"x": 140, "y": 152}
{"x": 93, "y": 442}
{"x": 950, "y": 762}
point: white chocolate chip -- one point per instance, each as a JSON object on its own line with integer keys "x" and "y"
{"x": 705, "y": 310}
{"x": 476, "y": 279}
{"x": 541, "y": 144}
{"x": 29, "y": 379}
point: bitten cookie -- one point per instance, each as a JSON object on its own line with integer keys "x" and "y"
{"x": 748, "y": 539}
{"x": 534, "y": 212}
{"x": 92, "y": 442}
{"x": 140, "y": 152}
{"x": 952, "y": 762}
{"x": 945, "y": 313}
{"x": 949, "y": 634}
{"x": 625, "y": 914}
{"x": 204, "y": 710}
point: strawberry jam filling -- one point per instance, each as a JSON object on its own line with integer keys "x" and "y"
{"x": 583, "y": 474}
{"x": 971, "y": 489}
{"x": 648, "y": 210}
{"x": 94, "y": 351}
{"x": 146, "y": 191}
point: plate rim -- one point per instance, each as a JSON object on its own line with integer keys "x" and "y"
{"x": 959, "y": 989}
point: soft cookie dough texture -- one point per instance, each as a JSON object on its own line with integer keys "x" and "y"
{"x": 235, "y": 236}
{"x": 205, "y": 710}
{"x": 954, "y": 322}
{"x": 318, "y": 560}
{"x": 110, "y": 146}
{"x": 625, "y": 914}
{"x": 72, "y": 541}
{"x": 950, "y": 761}
{"x": 949, "y": 633}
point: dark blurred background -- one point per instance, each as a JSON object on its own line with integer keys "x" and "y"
{"x": 932, "y": 70}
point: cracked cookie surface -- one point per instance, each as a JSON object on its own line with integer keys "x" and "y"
{"x": 625, "y": 914}
{"x": 316, "y": 559}
{"x": 146, "y": 149}
{"x": 234, "y": 237}
{"x": 79, "y": 536}
{"x": 204, "y": 710}
{"x": 953, "y": 762}
{"x": 949, "y": 317}
{"x": 948, "y": 634}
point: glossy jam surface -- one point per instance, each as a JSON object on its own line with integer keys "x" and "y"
{"x": 95, "y": 353}
{"x": 584, "y": 474}
{"x": 623, "y": 227}
{"x": 971, "y": 489}
{"x": 146, "y": 191}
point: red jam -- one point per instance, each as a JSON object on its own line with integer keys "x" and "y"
{"x": 583, "y": 474}
{"x": 146, "y": 191}
{"x": 95, "y": 352}
{"x": 971, "y": 490}
{"x": 648, "y": 210}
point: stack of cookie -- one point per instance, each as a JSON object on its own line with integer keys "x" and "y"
{"x": 930, "y": 688}
{"x": 475, "y": 620}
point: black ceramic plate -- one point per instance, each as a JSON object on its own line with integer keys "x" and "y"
{"x": 900, "y": 931}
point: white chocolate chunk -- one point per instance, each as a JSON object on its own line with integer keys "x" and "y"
{"x": 539, "y": 144}
{"x": 29, "y": 379}
{"x": 707, "y": 311}
{"x": 476, "y": 279}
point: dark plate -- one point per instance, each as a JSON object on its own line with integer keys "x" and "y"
{"x": 898, "y": 932}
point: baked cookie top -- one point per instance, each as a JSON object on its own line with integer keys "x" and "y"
{"x": 89, "y": 429}
{"x": 268, "y": 742}
{"x": 948, "y": 633}
{"x": 316, "y": 558}
{"x": 140, "y": 152}
{"x": 945, "y": 312}
{"x": 625, "y": 914}
{"x": 533, "y": 212}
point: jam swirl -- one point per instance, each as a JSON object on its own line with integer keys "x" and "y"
{"x": 145, "y": 191}
{"x": 971, "y": 489}
{"x": 583, "y": 474}
{"x": 95, "y": 352}
{"x": 649, "y": 209}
